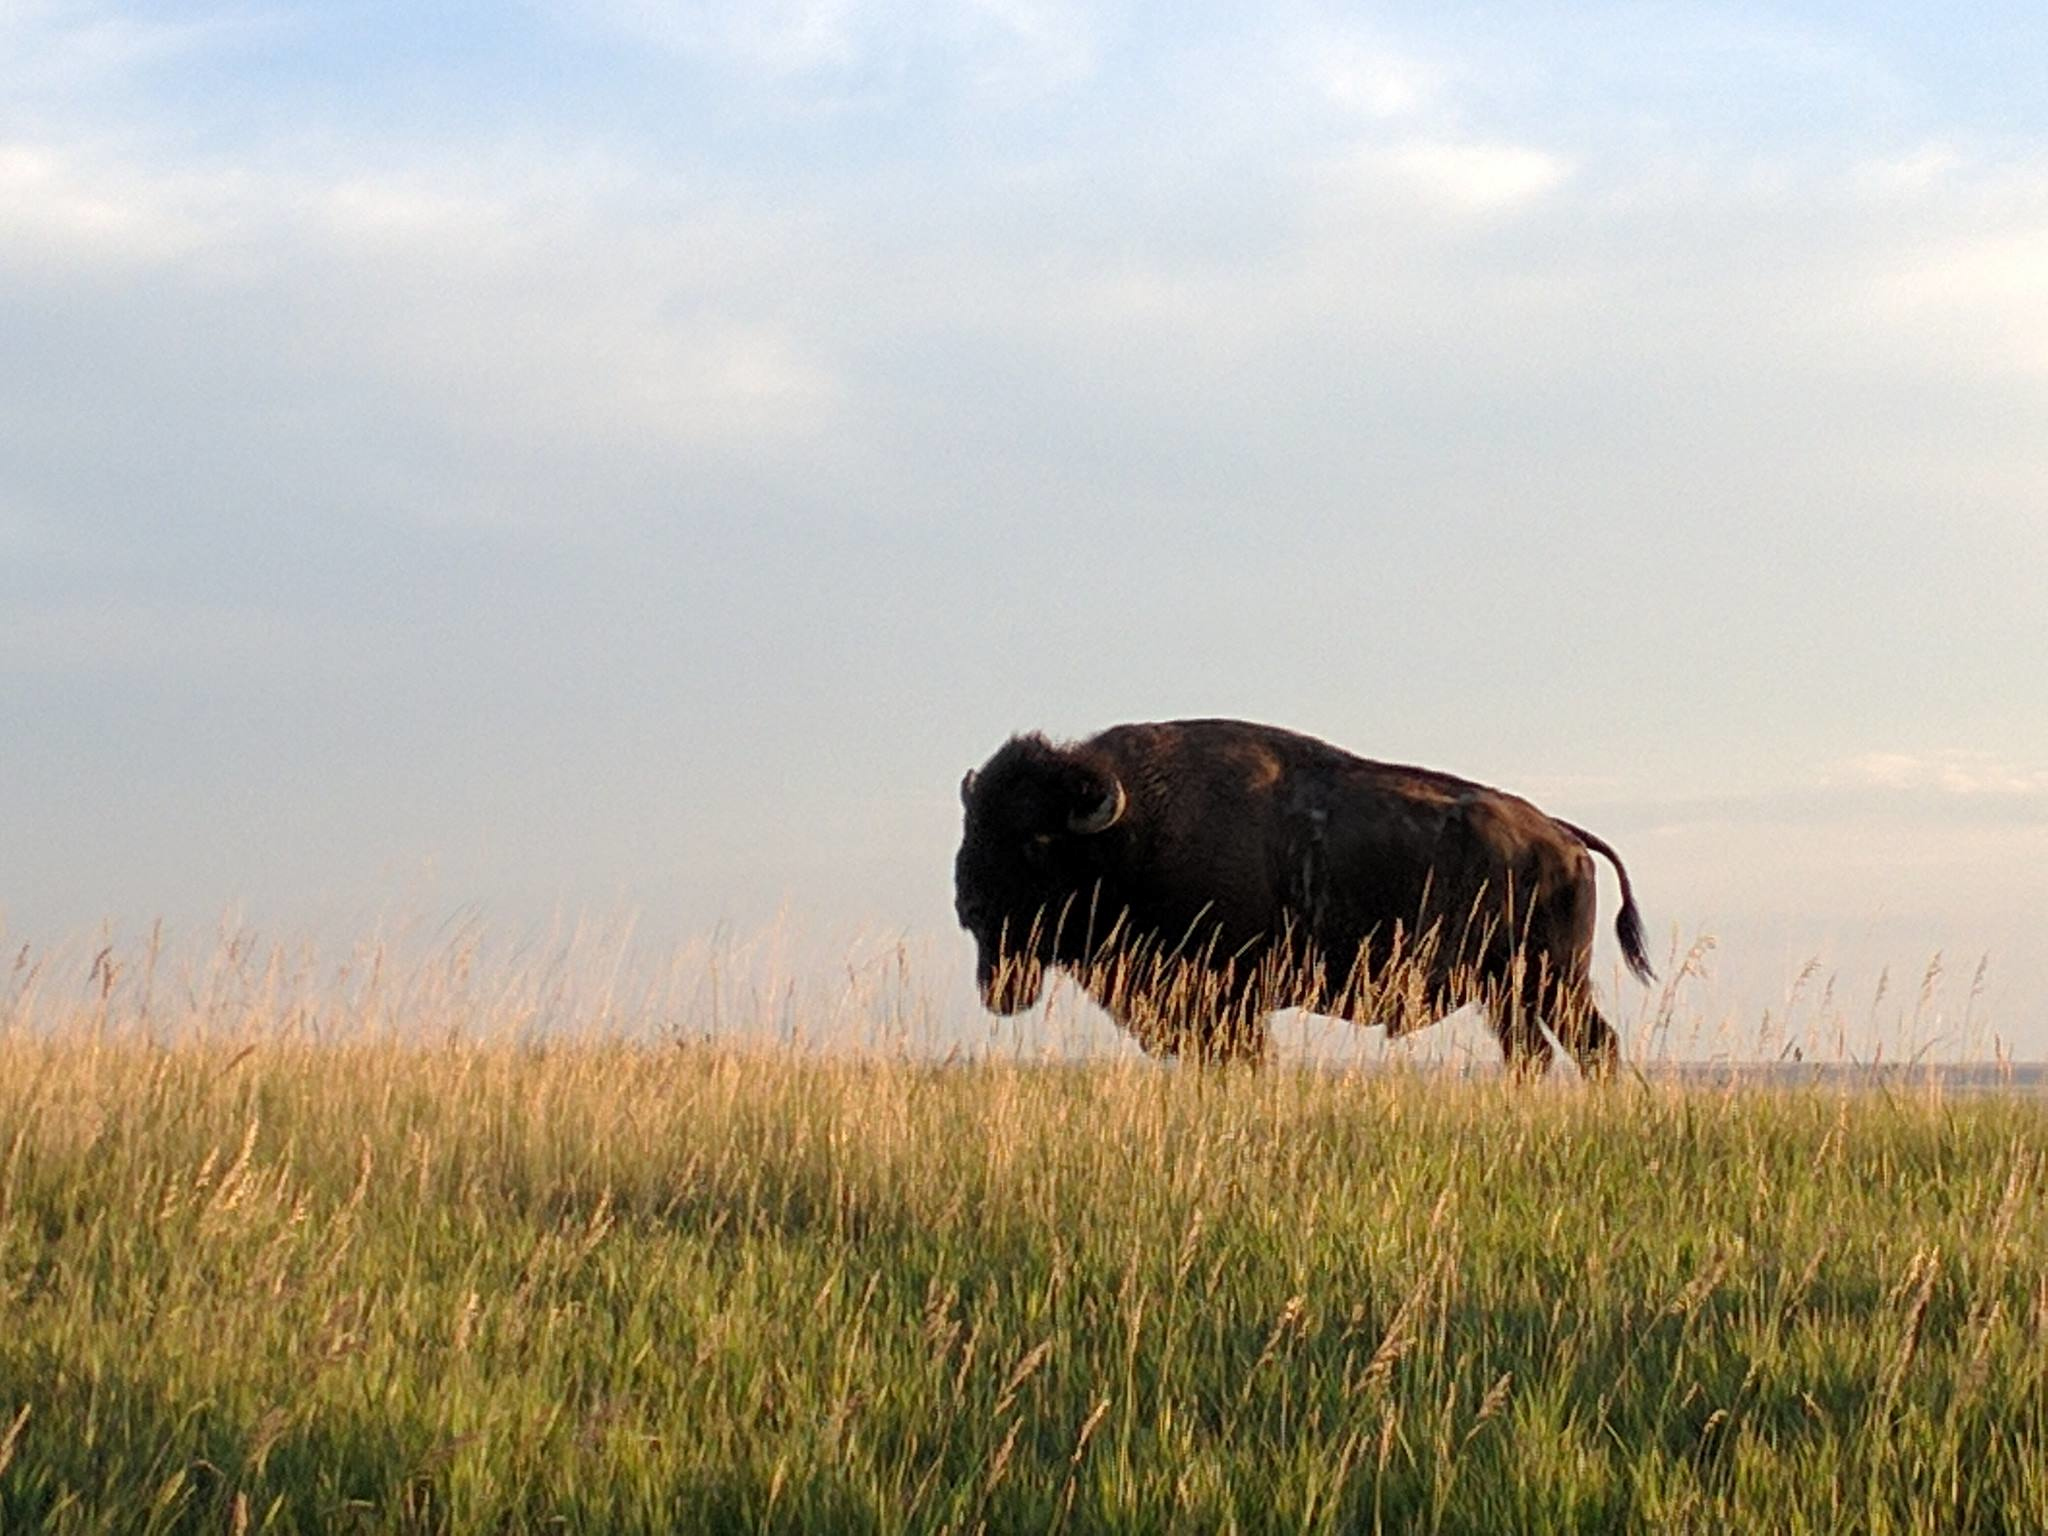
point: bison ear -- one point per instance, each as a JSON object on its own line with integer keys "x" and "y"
{"x": 1098, "y": 804}
{"x": 966, "y": 786}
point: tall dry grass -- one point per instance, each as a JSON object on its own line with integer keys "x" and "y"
{"x": 488, "y": 1242}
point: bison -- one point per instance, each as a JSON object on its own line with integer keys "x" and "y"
{"x": 1194, "y": 875}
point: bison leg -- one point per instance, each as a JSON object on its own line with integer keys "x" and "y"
{"x": 1231, "y": 1039}
{"x": 1591, "y": 1040}
{"x": 1564, "y": 979}
{"x": 1566, "y": 1008}
{"x": 1522, "y": 1041}
{"x": 1221, "y": 1038}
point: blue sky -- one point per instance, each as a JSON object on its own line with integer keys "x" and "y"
{"x": 630, "y": 455}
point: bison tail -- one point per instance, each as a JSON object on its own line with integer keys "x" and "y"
{"x": 1628, "y": 927}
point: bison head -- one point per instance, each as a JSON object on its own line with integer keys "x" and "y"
{"x": 1029, "y": 877}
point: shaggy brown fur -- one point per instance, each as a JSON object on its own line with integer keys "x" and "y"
{"x": 1196, "y": 874}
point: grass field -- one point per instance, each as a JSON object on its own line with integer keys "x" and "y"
{"x": 261, "y": 1273}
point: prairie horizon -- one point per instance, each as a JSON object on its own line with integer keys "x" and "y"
{"x": 865, "y": 991}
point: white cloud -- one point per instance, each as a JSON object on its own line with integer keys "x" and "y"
{"x": 384, "y": 211}
{"x": 1984, "y": 295}
{"x": 65, "y": 208}
{"x": 1006, "y": 48}
{"x": 49, "y": 49}
{"x": 1372, "y": 81}
{"x": 1033, "y": 45}
{"x": 553, "y": 273}
{"x": 1460, "y": 177}
{"x": 1956, "y": 771}
{"x": 1909, "y": 175}
{"x": 772, "y": 37}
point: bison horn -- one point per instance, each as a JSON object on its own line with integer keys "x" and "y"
{"x": 967, "y": 786}
{"x": 1103, "y": 816}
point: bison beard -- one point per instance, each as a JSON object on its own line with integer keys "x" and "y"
{"x": 1195, "y": 875}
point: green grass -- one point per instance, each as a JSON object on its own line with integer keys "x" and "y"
{"x": 268, "y": 1282}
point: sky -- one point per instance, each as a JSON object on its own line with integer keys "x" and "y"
{"x": 608, "y": 455}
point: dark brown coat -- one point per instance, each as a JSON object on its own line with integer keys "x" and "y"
{"x": 1196, "y": 874}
